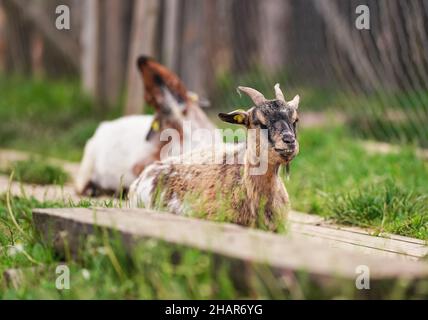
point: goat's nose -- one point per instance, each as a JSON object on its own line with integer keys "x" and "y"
{"x": 289, "y": 139}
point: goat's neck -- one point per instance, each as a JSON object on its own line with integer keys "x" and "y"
{"x": 262, "y": 182}
{"x": 259, "y": 184}
{"x": 264, "y": 195}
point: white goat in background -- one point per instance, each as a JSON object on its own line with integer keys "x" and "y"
{"x": 120, "y": 149}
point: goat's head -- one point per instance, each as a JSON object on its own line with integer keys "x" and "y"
{"x": 165, "y": 92}
{"x": 276, "y": 118}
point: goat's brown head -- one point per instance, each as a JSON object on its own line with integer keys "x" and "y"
{"x": 277, "y": 118}
{"x": 165, "y": 92}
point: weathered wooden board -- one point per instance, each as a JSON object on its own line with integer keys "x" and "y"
{"x": 290, "y": 252}
{"x": 313, "y": 219}
{"x": 357, "y": 239}
{"x": 376, "y": 147}
{"x": 379, "y": 243}
{"x": 9, "y": 156}
{"x": 41, "y": 193}
{"x": 64, "y": 193}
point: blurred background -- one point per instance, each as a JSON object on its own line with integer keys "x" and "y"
{"x": 374, "y": 81}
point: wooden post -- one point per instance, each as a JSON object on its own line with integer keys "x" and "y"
{"x": 90, "y": 46}
{"x": 143, "y": 41}
{"x": 193, "y": 50}
{"x": 275, "y": 18}
{"x": 2, "y": 39}
{"x": 114, "y": 50}
{"x": 103, "y": 58}
{"x": 245, "y": 26}
{"x": 17, "y": 39}
{"x": 37, "y": 50}
{"x": 170, "y": 34}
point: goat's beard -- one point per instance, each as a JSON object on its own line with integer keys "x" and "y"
{"x": 284, "y": 170}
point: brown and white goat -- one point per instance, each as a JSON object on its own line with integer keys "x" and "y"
{"x": 249, "y": 193}
{"x": 120, "y": 149}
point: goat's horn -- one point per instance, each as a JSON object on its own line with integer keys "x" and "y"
{"x": 295, "y": 102}
{"x": 278, "y": 93}
{"x": 256, "y": 96}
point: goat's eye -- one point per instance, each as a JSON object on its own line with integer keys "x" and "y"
{"x": 295, "y": 124}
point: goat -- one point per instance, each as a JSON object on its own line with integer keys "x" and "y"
{"x": 246, "y": 195}
{"x": 120, "y": 149}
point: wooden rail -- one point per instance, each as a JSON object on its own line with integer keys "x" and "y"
{"x": 309, "y": 246}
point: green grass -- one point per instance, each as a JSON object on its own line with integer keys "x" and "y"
{"x": 37, "y": 171}
{"x": 53, "y": 118}
{"x": 387, "y": 208}
{"x": 334, "y": 172}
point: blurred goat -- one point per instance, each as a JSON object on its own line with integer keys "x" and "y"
{"x": 120, "y": 149}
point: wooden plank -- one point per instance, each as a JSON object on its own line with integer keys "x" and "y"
{"x": 282, "y": 252}
{"x": 379, "y": 243}
{"x": 342, "y": 244}
{"x": 300, "y": 217}
{"x": 371, "y": 232}
{"x": 41, "y": 193}
{"x": 376, "y": 147}
{"x": 403, "y": 238}
{"x": 407, "y": 246}
{"x": 345, "y": 240}
{"x": 48, "y": 193}
{"x": 7, "y": 157}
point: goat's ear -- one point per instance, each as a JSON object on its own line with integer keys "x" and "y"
{"x": 235, "y": 117}
{"x": 154, "y": 128}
